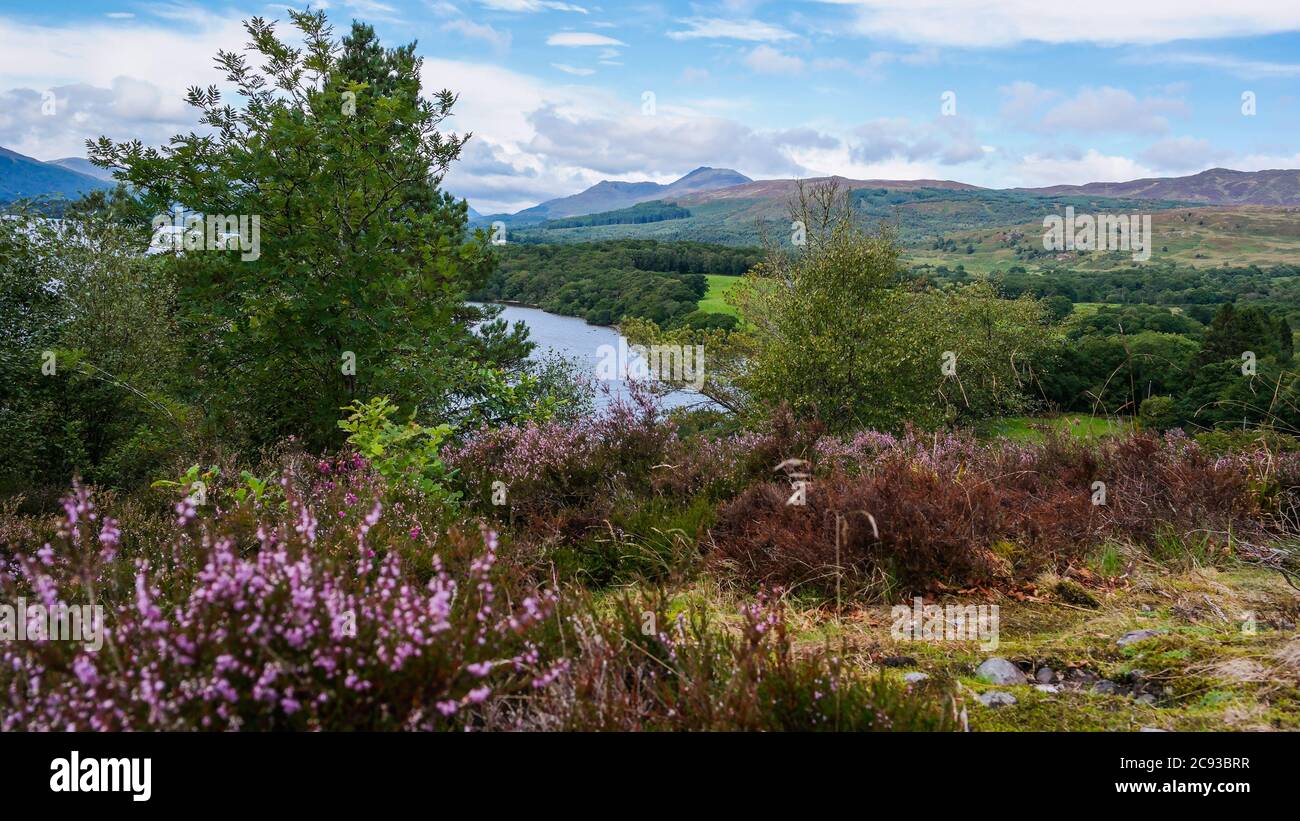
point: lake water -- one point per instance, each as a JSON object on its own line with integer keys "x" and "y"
{"x": 575, "y": 339}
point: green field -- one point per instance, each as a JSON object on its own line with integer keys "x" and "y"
{"x": 714, "y": 301}
{"x": 1031, "y": 428}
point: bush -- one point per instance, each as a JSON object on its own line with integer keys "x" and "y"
{"x": 1157, "y": 413}
{"x": 322, "y": 622}
{"x": 924, "y": 514}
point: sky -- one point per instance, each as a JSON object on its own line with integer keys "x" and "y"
{"x": 561, "y": 95}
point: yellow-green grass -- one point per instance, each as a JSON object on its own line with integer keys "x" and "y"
{"x": 1030, "y": 428}
{"x": 714, "y": 301}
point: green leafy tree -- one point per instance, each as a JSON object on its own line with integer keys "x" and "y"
{"x": 833, "y": 334}
{"x": 92, "y": 373}
{"x": 357, "y": 287}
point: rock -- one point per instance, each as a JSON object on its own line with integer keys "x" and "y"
{"x": 898, "y": 661}
{"x": 1047, "y": 688}
{"x": 999, "y": 671}
{"x": 1152, "y": 730}
{"x": 915, "y": 678}
{"x": 1106, "y": 688}
{"x": 1045, "y": 675}
{"x": 996, "y": 698}
{"x": 1147, "y": 698}
{"x": 1136, "y": 636}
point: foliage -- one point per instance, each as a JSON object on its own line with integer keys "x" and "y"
{"x": 404, "y": 454}
{"x": 834, "y": 336}
{"x": 638, "y": 214}
{"x": 605, "y": 282}
{"x": 94, "y": 375}
{"x": 332, "y": 140}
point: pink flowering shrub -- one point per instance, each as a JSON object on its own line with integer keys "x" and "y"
{"x": 305, "y": 625}
{"x": 548, "y": 466}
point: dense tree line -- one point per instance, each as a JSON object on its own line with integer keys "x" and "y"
{"x": 606, "y": 281}
{"x": 638, "y": 214}
{"x": 1175, "y": 371}
{"x": 1198, "y": 291}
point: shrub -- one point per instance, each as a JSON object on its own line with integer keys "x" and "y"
{"x": 306, "y": 627}
{"x": 1157, "y": 413}
{"x": 925, "y": 515}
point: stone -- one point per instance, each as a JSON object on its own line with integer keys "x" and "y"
{"x": 898, "y": 661}
{"x": 1147, "y": 698}
{"x": 998, "y": 670}
{"x": 1047, "y": 688}
{"x": 915, "y": 678}
{"x": 1045, "y": 675}
{"x": 1136, "y": 636}
{"x": 1106, "y": 688}
{"x": 996, "y": 698}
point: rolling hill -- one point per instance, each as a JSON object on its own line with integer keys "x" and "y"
{"x": 921, "y": 210}
{"x": 1217, "y": 186}
{"x": 84, "y": 166}
{"x": 611, "y": 195}
{"x": 22, "y": 177}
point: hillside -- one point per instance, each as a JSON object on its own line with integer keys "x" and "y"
{"x": 1217, "y": 186}
{"x": 920, "y": 213}
{"x": 612, "y": 195}
{"x": 724, "y": 210}
{"x": 81, "y": 165}
{"x": 23, "y": 177}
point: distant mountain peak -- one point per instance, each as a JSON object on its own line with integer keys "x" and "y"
{"x": 611, "y": 195}
{"x": 23, "y": 177}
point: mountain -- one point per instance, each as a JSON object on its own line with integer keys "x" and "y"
{"x": 23, "y": 177}
{"x": 84, "y": 166}
{"x": 612, "y": 195}
{"x": 1218, "y": 186}
{"x": 783, "y": 190}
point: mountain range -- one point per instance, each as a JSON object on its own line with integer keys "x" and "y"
{"x": 721, "y": 205}
{"x": 612, "y": 195}
{"x": 1217, "y": 186}
{"x": 22, "y": 177}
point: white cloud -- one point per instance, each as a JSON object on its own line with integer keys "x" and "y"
{"x": 1091, "y": 110}
{"x": 714, "y": 28}
{"x": 568, "y": 69}
{"x": 1249, "y": 69}
{"x": 980, "y": 23}
{"x": 498, "y": 40}
{"x": 530, "y": 6}
{"x": 1022, "y": 101}
{"x": 1183, "y": 155}
{"x": 1035, "y": 170}
{"x": 767, "y": 60}
{"x": 581, "y": 39}
{"x": 122, "y": 79}
{"x": 1111, "y": 109}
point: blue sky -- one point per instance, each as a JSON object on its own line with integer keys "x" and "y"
{"x": 555, "y": 92}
